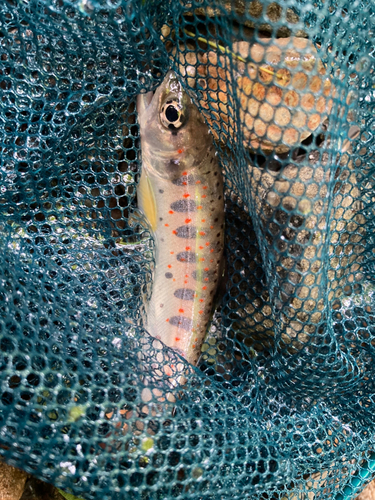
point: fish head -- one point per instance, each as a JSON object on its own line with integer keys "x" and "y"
{"x": 174, "y": 135}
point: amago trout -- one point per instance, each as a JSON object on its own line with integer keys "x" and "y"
{"x": 181, "y": 194}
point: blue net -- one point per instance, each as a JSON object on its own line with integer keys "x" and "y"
{"x": 279, "y": 403}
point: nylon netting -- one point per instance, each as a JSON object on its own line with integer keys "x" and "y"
{"x": 281, "y": 403}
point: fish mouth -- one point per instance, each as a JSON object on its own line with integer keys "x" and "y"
{"x": 147, "y": 97}
{"x": 170, "y": 88}
{"x": 144, "y": 101}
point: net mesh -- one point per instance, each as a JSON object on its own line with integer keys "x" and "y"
{"x": 280, "y": 405}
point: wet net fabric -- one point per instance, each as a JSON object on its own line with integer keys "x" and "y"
{"x": 281, "y": 403}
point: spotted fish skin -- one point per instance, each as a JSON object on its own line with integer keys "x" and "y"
{"x": 181, "y": 194}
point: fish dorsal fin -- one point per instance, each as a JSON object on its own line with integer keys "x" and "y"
{"x": 146, "y": 200}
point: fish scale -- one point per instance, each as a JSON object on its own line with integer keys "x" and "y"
{"x": 181, "y": 195}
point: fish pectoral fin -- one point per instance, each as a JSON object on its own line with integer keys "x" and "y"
{"x": 146, "y": 200}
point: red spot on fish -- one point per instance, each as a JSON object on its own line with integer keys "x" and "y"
{"x": 185, "y": 282}
{"x": 174, "y": 279}
{"x": 200, "y": 312}
{"x": 184, "y": 173}
{"x": 203, "y": 220}
{"x": 204, "y": 187}
{"x": 211, "y": 260}
{"x": 187, "y": 248}
{"x": 211, "y": 227}
{"x": 186, "y": 195}
{"x": 205, "y": 279}
{"x": 166, "y": 225}
{"x": 171, "y": 212}
{"x": 193, "y": 346}
{"x": 174, "y": 232}
{"x": 169, "y": 266}
{"x": 202, "y": 233}
{"x": 203, "y": 196}
{"x": 187, "y": 221}
{"x": 179, "y": 151}
{"x": 201, "y": 248}
{"x": 204, "y": 287}
{"x": 206, "y": 268}
{"x": 184, "y": 183}
{"x": 167, "y": 319}
{"x": 180, "y": 310}
{"x": 207, "y": 243}
{"x": 172, "y": 253}
{"x": 182, "y": 260}
{"x": 202, "y": 259}
{"x": 195, "y": 295}
{"x": 198, "y": 182}
{"x": 177, "y": 339}
{"x": 199, "y": 207}
{"x": 201, "y": 300}
{"x": 211, "y": 250}
{"x": 186, "y": 275}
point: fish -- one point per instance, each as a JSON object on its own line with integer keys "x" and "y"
{"x": 181, "y": 195}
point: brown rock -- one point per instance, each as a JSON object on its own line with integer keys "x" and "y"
{"x": 12, "y": 482}
{"x": 368, "y": 493}
{"x": 283, "y": 70}
{"x": 39, "y": 490}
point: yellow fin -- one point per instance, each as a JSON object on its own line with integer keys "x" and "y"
{"x": 146, "y": 200}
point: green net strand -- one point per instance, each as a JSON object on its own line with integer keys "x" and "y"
{"x": 280, "y": 404}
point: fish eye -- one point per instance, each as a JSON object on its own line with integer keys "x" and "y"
{"x": 171, "y": 115}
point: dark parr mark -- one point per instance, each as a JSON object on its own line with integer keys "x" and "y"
{"x": 168, "y": 276}
{"x": 186, "y": 257}
{"x": 181, "y": 322}
{"x": 184, "y": 206}
{"x": 185, "y": 180}
{"x": 184, "y": 294}
{"x": 204, "y": 276}
{"x": 186, "y": 232}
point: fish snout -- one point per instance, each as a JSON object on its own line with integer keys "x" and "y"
{"x": 143, "y": 102}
